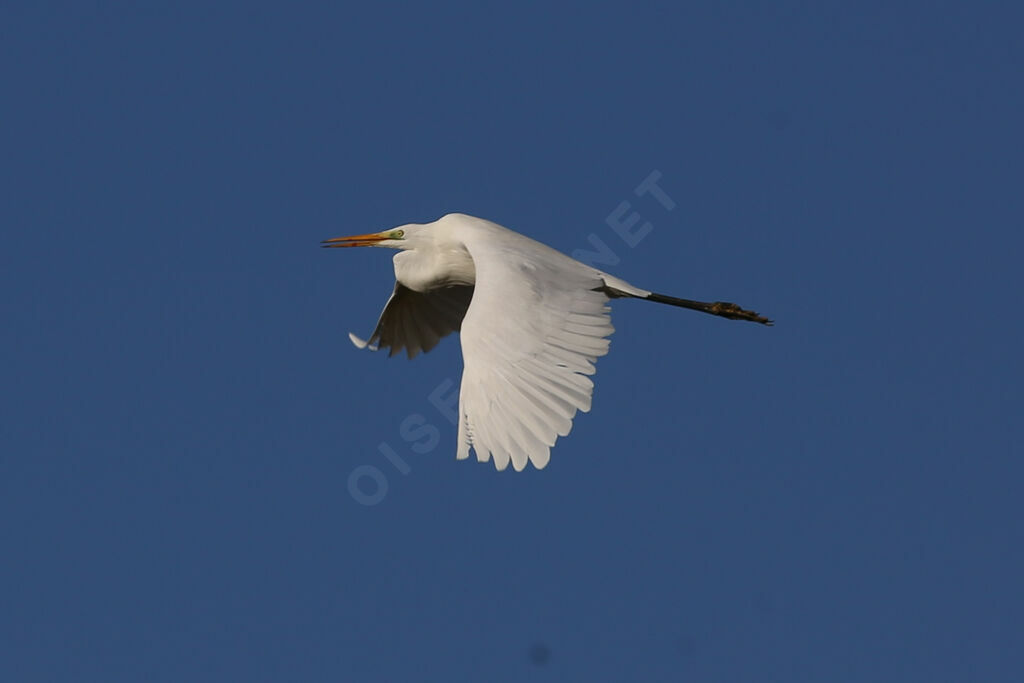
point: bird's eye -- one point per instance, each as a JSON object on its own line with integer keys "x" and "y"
{"x": 398, "y": 234}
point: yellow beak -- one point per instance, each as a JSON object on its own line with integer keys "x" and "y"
{"x": 354, "y": 241}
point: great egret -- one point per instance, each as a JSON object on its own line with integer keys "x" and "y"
{"x": 532, "y": 322}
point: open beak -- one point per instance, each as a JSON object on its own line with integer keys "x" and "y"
{"x": 354, "y": 241}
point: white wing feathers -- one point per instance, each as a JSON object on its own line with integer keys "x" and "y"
{"x": 532, "y": 327}
{"x": 529, "y": 339}
{"x": 417, "y": 321}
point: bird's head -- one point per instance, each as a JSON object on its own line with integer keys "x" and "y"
{"x": 402, "y": 237}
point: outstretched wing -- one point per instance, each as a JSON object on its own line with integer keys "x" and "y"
{"x": 529, "y": 339}
{"x": 417, "y": 321}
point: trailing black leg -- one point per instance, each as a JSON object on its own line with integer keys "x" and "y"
{"x": 722, "y": 309}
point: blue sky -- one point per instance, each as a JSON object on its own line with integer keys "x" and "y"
{"x": 835, "y": 498}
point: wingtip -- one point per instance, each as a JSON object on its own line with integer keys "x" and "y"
{"x": 360, "y": 343}
{"x": 356, "y": 341}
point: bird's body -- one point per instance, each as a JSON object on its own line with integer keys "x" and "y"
{"x": 532, "y": 321}
{"x": 446, "y": 260}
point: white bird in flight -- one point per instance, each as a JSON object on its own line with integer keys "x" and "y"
{"x": 532, "y": 321}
